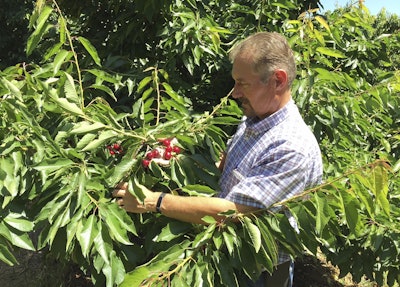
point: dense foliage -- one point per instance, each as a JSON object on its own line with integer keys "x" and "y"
{"x": 115, "y": 79}
{"x": 14, "y": 31}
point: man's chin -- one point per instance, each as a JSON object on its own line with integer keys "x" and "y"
{"x": 248, "y": 113}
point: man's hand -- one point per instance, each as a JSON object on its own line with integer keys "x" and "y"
{"x": 221, "y": 163}
{"x": 132, "y": 204}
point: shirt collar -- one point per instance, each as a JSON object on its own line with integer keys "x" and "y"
{"x": 261, "y": 126}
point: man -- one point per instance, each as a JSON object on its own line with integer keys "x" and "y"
{"x": 272, "y": 157}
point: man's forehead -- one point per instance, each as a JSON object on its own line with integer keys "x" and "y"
{"x": 243, "y": 71}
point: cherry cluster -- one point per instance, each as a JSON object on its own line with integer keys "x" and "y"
{"x": 115, "y": 149}
{"x": 163, "y": 154}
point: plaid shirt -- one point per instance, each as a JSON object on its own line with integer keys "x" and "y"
{"x": 271, "y": 160}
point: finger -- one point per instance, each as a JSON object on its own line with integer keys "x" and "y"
{"x": 118, "y": 193}
{"x": 123, "y": 185}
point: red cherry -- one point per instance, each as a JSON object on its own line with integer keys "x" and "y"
{"x": 176, "y": 149}
{"x": 167, "y": 155}
{"x": 168, "y": 148}
{"x": 155, "y": 153}
{"x": 145, "y": 163}
{"x": 116, "y": 146}
{"x": 166, "y": 142}
{"x": 149, "y": 155}
{"x": 112, "y": 152}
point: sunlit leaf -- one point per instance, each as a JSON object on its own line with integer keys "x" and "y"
{"x": 331, "y": 52}
{"x": 19, "y": 223}
{"x": 87, "y": 233}
{"x": 40, "y": 29}
{"x": 254, "y": 233}
{"x": 101, "y": 140}
{"x": 106, "y": 90}
{"x": 90, "y": 49}
{"x": 172, "y": 230}
{"x": 86, "y": 127}
{"x": 53, "y": 164}
{"x": 59, "y": 59}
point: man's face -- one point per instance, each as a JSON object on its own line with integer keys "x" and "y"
{"x": 256, "y": 97}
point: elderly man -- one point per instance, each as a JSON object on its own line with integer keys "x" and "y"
{"x": 272, "y": 157}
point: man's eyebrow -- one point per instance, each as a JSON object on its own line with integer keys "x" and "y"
{"x": 238, "y": 79}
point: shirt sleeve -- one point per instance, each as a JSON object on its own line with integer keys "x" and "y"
{"x": 276, "y": 177}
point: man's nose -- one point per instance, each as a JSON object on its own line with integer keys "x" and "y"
{"x": 236, "y": 93}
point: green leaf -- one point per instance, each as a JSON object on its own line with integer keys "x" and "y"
{"x": 122, "y": 217}
{"x": 269, "y": 243}
{"x": 229, "y": 241}
{"x": 104, "y": 89}
{"x": 218, "y": 239}
{"x": 264, "y": 258}
{"x": 22, "y": 240}
{"x": 19, "y": 223}
{"x": 86, "y": 127}
{"x": 85, "y": 140}
{"x": 351, "y": 209}
{"x": 174, "y": 95}
{"x": 225, "y": 121}
{"x": 396, "y": 167}
{"x": 381, "y": 188}
{"x": 103, "y": 137}
{"x": 90, "y": 49}
{"x": 72, "y": 227}
{"x": 68, "y": 106}
{"x": 11, "y": 180}
{"x": 187, "y": 61}
{"x": 103, "y": 241}
{"x": 86, "y": 232}
{"x": 115, "y": 271}
{"x": 59, "y": 59}
{"x": 53, "y": 164}
{"x": 322, "y": 213}
{"x": 136, "y": 277}
{"x": 121, "y": 171}
{"x": 203, "y": 237}
{"x": 143, "y": 83}
{"x": 209, "y": 219}
{"x": 12, "y": 88}
{"x": 173, "y": 230}
{"x": 41, "y": 28}
{"x": 322, "y": 21}
{"x": 52, "y": 51}
{"x": 197, "y": 55}
{"x": 249, "y": 264}
{"x": 6, "y": 256}
{"x": 62, "y": 26}
{"x": 156, "y": 266}
{"x": 70, "y": 91}
{"x": 116, "y": 228}
{"x": 224, "y": 270}
{"x": 253, "y": 232}
{"x": 196, "y": 189}
{"x": 330, "y": 52}
{"x": 102, "y": 75}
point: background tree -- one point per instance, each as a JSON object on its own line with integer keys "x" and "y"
{"x": 14, "y": 31}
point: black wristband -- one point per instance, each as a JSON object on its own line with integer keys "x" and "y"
{"x": 159, "y": 201}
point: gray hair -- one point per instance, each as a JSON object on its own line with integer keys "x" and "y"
{"x": 269, "y": 51}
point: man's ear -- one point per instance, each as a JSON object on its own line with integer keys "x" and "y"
{"x": 281, "y": 79}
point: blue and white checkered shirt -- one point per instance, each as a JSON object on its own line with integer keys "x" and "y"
{"x": 271, "y": 160}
